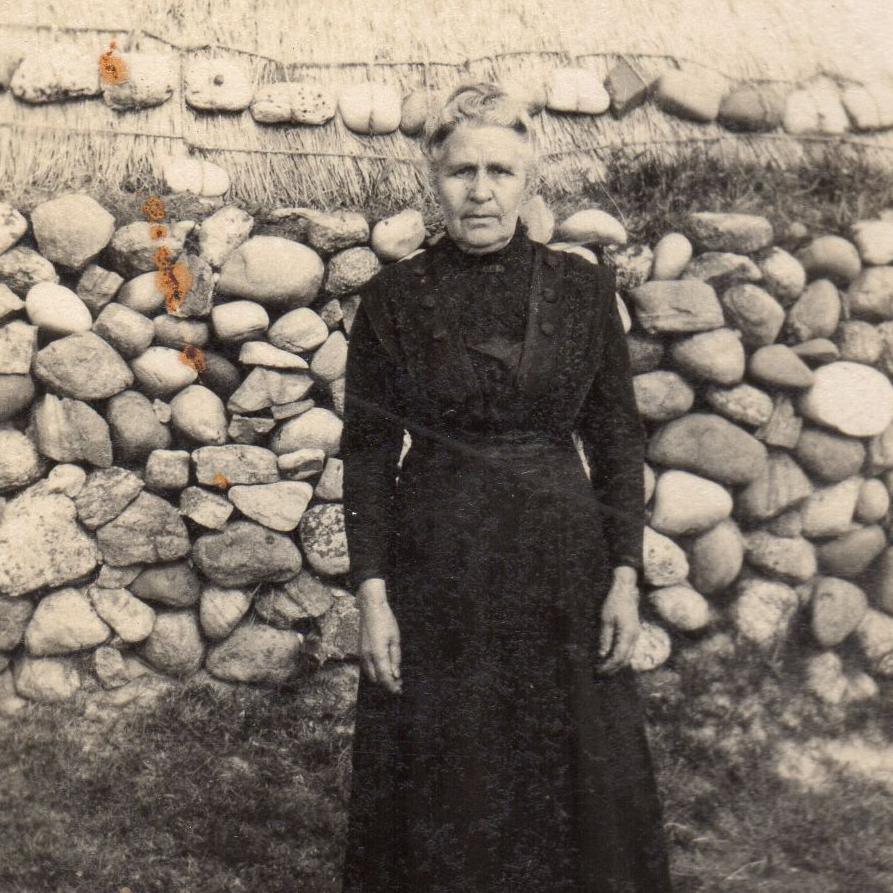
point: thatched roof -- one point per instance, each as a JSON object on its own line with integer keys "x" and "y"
{"x": 413, "y": 44}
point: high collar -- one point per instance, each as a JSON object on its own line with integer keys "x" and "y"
{"x": 513, "y": 250}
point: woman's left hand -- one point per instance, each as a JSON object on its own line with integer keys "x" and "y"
{"x": 620, "y": 625}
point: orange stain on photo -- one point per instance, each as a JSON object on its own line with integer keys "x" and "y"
{"x": 112, "y": 67}
{"x": 154, "y": 209}
{"x": 220, "y": 480}
{"x": 193, "y": 356}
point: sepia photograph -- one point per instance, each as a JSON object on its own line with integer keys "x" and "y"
{"x": 446, "y": 446}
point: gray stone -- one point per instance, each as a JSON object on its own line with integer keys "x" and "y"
{"x": 175, "y": 644}
{"x": 870, "y": 295}
{"x": 838, "y": 608}
{"x": 19, "y": 462}
{"x": 82, "y": 366}
{"x": 330, "y": 485}
{"x": 130, "y": 618}
{"x": 16, "y": 395}
{"x": 646, "y": 352}
{"x": 662, "y": 395}
{"x": 161, "y": 371}
{"x": 851, "y": 398}
{"x": 10, "y": 303}
{"x": 793, "y": 558}
{"x": 778, "y": 366}
{"x": 133, "y": 248}
{"x": 114, "y": 670}
{"x": 631, "y": 264}
{"x": 41, "y": 544}
{"x": 851, "y": 553}
{"x": 859, "y": 341}
{"x": 71, "y": 431}
{"x": 301, "y": 464}
{"x": 883, "y": 580}
{"x": 763, "y": 610}
{"x": 279, "y": 505}
{"x": 256, "y": 653}
{"x": 66, "y": 478}
{"x": 664, "y": 562}
{"x": 105, "y": 495}
{"x": 788, "y": 523}
{"x": 97, "y": 287}
{"x": 264, "y": 388}
{"x": 250, "y": 429}
{"x": 198, "y": 414}
{"x": 722, "y": 269}
{"x": 143, "y": 294}
{"x": 742, "y": 403}
{"x": 652, "y": 649}
{"x": 14, "y": 616}
{"x": 781, "y": 485}
{"x": 875, "y": 636}
{"x": 170, "y": 331}
{"x": 783, "y": 275}
{"x": 220, "y": 375}
{"x": 21, "y": 268}
{"x": 221, "y": 233}
{"x": 222, "y": 610}
{"x": 129, "y": 332}
{"x": 873, "y": 503}
{"x": 677, "y": 306}
{"x": 295, "y": 600}
{"x": 816, "y": 312}
{"x": 18, "y": 341}
{"x": 874, "y": 239}
{"x": 671, "y": 256}
{"x": 47, "y": 680}
{"x": 323, "y": 539}
{"x": 708, "y": 445}
{"x": 318, "y": 429}
{"x": 136, "y": 430}
{"x": 741, "y": 233}
{"x": 273, "y": 271}
{"x": 175, "y": 584}
{"x": 831, "y": 257}
{"x": 149, "y": 530}
{"x": 260, "y": 353}
{"x": 245, "y": 554}
{"x": 784, "y": 425}
{"x": 715, "y": 356}
{"x": 236, "y": 464}
{"x": 829, "y": 510}
{"x": 831, "y": 456}
{"x": 330, "y": 361}
{"x": 754, "y": 312}
{"x": 198, "y": 299}
{"x": 13, "y": 226}
{"x": 117, "y": 577}
{"x": 64, "y": 622}
{"x": 686, "y": 504}
{"x": 72, "y": 229}
{"x": 681, "y": 607}
{"x": 332, "y": 313}
{"x": 298, "y": 331}
{"x": 817, "y": 351}
{"x": 716, "y": 557}
{"x": 205, "y": 508}
{"x": 239, "y": 321}
{"x": 340, "y": 628}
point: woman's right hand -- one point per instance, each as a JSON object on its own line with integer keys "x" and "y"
{"x": 379, "y": 636}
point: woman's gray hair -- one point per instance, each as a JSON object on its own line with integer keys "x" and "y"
{"x": 483, "y": 104}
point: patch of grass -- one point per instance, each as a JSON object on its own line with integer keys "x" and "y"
{"x": 246, "y": 791}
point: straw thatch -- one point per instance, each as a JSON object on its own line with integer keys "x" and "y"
{"x": 412, "y": 44}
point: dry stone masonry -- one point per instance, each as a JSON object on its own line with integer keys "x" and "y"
{"x": 170, "y": 487}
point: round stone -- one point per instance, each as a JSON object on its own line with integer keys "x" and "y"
{"x": 129, "y": 332}
{"x": 16, "y": 395}
{"x": 222, "y": 610}
{"x": 323, "y": 539}
{"x": 198, "y": 414}
{"x": 763, "y": 610}
{"x": 317, "y": 428}
{"x": 783, "y": 275}
{"x": 777, "y": 365}
{"x": 72, "y": 229}
{"x": 671, "y": 256}
{"x": 742, "y": 403}
{"x": 831, "y": 257}
{"x": 298, "y": 331}
{"x": 396, "y": 236}
{"x": 664, "y": 562}
{"x": 82, "y": 366}
{"x": 351, "y": 269}
{"x": 741, "y": 233}
{"x": 792, "y": 558}
{"x": 874, "y": 239}
{"x": 685, "y": 503}
{"x": 873, "y": 502}
{"x": 851, "y": 398}
{"x": 859, "y": 341}
{"x": 851, "y": 553}
{"x": 715, "y": 356}
{"x": 20, "y": 464}
{"x": 175, "y": 644}
{"x": 816, "y": 312}
{"x": 330, "y": 360}
{"x": 64, "y": 622}
{"x": 681, "y": 607}
{"x": 170, "y": 331}
{"x": 239, "y": 321}
{"x": 57, "y": 310}
{"x": 245, "y": 554}
{"x": 870, "y": 295}
{"x": 135, "y": 428}
{"x": 716, "y": 557}
{"x": 838, "y": 607}
{"x": 662, "y": 395}
{"x": 652, "y": 648}
{"x": 831, "y": 456}
{"x": 161, "y": 371}
{"x": 592, "y": 226}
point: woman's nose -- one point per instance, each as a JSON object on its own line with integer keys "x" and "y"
{"x": 481, "y": 188}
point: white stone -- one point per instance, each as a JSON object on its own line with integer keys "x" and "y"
{"x": 298, "y": 330}
{"x": 198, "y": 413}
{"x": 763, "y": 610}
{"x": 396, "y": 236}
{"x": 829, "y": 510}
{"x": 18, "y": 342}
{"x": 239, "y": 320}
{"x": 849, "y": 397}
{"x": 161, "y": 371}
{"x": 686, "y": 503}
{"x": 47, "y": 680}
{"x": 874, "y": 239}
{"x": 577, "y": 90}
{"x": 315, "y": 429}
{"x": 681, "y": 606}
{"x": 652, "y": 649}
{"x": 301, "y": 464}
{"x": 592, "y": 226}
{"x": 128, "y": 331}
{"x": 195, "y": 175}
{"x": 64, "y": 622}
{"x": 222, "y": 233}
{"x": 875, "y": 636}
{"x": 671, "y": 256}
{"x": 370, "y": 107}
{"x": 664, "y": 562}
{"x": 167, "y": 469}
{"x": 783, "y": 275}
{"x": 13, "y": 226}
{"x": 331, "y": 482}
{"x": 221, "y": 610}
{"x": 209, "y": 509}
{"x": 57, "y": 310}
{"x": 217, "y": 85}
{"x": 279, "y": 506}
{"x": 132, "y": 619}
{"x": 260, "y": 353}
{"x": 330, "y": 360}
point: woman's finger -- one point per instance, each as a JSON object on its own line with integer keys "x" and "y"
{"x": 605, "y": 638}
{"x": 383, "y": 670}
{"x": 368, "y": 666}
{"x": 394, "y": 651}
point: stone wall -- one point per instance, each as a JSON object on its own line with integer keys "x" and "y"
{"x": 170, "y": 399}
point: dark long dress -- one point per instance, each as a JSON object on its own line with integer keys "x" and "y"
{"x": 506, "y": 763}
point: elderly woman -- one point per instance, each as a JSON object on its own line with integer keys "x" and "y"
{"x": 499, "y": 741}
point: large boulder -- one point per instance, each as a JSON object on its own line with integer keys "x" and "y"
{"x": 677, "y": 306}
{"x": 64, "y": 622}
{"x": 82, "y": 366}
{"x": 740, "y": 233}
{"x": 273, "y": 271}
{"x": 245, "y": 554}
{"x": 72, "y": 229}
{"x": 716, "y": 356}
{"x": 41, "y": 543}
{"x": 235, "y": 464}
{"x": 255, "y": 652}
{"x": 708, "y": 445}
{"x": 685, "y": 503}
{"x": 849, "y": 397}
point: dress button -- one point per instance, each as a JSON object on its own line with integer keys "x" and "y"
{"x": 428, "y": 302}
{"x": 547, "y": 328}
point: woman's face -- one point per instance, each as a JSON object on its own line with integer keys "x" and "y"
{"x": 480, "y": 182}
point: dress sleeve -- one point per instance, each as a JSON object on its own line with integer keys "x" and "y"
{"x": 613, "y": 435}
{"x": 371, "y": 443}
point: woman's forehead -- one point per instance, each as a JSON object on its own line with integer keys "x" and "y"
{"x": 484, "y": 144}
